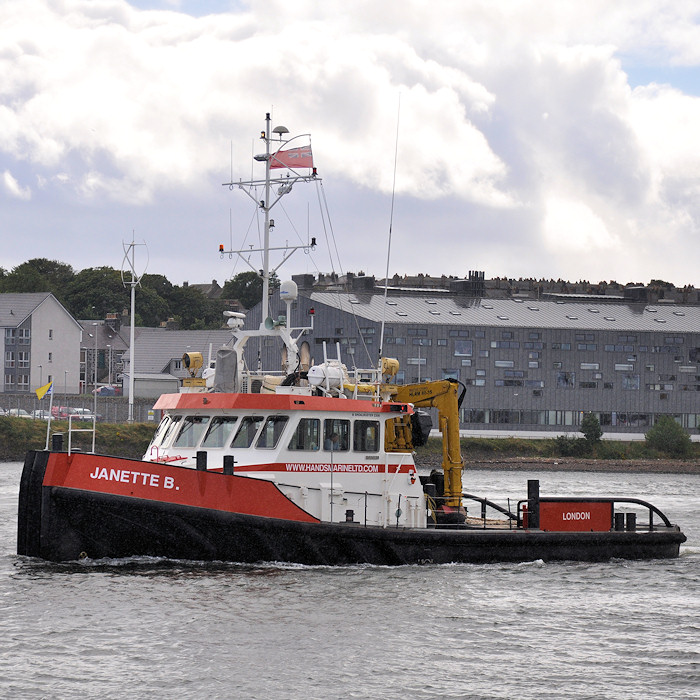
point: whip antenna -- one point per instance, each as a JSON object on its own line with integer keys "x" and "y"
{"x": 391, "y": 224}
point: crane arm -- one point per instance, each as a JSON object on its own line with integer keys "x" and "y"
{"x": 446, "y": 397}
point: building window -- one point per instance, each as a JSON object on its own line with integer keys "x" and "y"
{"x": 422, "y": 341}
{"x": 590, "y": 365}
{"x": 23, "y": 382}
{"x": 503, "y": 363}
{"x": 50, "y": 357}
{"x": 463, "y": 348}
{"x": 607, "y": 385}
{"x": 466, "y": 363}
{"x": 566, "y": 380}
{"x": 588, "y": 385}
{"x": 23, "y": 360}
{"x": 9, "y": 359}
{"x": 10, "y": 336}
{"x": 459, "y": 334}
{"x": 533, "y": 364}
{"x": 50, "y": 333}
{"x": 450, "y": 374}
{"x": 483, "y": 353}
{"x": 418, "y": 331}
{"x": 622, "y": 367}
{"x": 561, "y": 346}
{"x": 24, "y": 336}
{"x": 9, "y": 381}
{"x": 557, "y": 365}
{"x": 630, "y": 382}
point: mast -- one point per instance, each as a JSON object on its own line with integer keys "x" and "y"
{"x": 298, "y": 163}
{"x": 265, "y": 204}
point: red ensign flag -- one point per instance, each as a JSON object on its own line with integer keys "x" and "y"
{"x": 292, "y": 158}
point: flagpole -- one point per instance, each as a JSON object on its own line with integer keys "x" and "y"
{"x": 48, "y": 424}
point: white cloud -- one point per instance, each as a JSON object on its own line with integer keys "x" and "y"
{"x": 13, "y": 188}
{"x": 516, "y": 120}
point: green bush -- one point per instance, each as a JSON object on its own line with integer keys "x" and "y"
{"x": 590, "y": 427}
{"x": 611, "y": 450}
{"x": 572, "y": 447}
{"x": 669, "y": 438}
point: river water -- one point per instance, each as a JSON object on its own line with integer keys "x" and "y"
{"x": 160, "y": 629}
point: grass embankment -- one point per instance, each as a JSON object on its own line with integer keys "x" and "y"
{"x": 17, "y": 435}
{"x": 494, "y": 449}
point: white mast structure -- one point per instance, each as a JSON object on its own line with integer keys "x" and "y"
{"x": 268, "y": 327}
{"x": 130, "y": 259}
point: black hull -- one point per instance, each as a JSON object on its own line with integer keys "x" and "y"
{"x": 60, "y": 524}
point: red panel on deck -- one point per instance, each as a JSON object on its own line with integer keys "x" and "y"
{"x": 575, "y": 516}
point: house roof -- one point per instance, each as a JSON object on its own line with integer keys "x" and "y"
{"x": 15, "y": 308}
{"x": 154, "y": 348}
{"x": 507, "y": 313}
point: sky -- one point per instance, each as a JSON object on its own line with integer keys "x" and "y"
{"x": 548, "y": 139}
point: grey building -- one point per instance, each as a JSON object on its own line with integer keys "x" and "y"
{"x": 41, "y": 343}
{"x": 528, "y": 365}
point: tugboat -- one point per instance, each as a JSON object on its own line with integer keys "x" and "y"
{"x": 313, "y": 465}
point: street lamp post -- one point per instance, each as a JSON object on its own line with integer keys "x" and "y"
{"x": 65, "y": 382}
{"x": 94, "y": 410}
{"x": 109, "y": 366}
{"x": 41, "y": 375}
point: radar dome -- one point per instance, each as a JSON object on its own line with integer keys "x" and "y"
{"x": 289, "y": 290}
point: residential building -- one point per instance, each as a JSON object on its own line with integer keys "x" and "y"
{"x": 41, "y": 341}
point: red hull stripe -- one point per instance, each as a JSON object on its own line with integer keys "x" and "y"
{"x": 171, "y": 484}
{"x": 275, "y": 402}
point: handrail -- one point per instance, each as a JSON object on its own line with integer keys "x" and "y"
{"x": 579, "y": 499}
{"x": 491, "y": 504}
{"x": 72, "y": 430}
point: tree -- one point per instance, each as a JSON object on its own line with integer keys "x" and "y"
{"x": 668, "y": 437}
{"x": 38, "y": 275}
{"x": 247, "y": 288}
{"x": 590, "y": 427}
{"x": 95, "y": 292}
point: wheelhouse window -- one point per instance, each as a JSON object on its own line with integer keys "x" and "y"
{"x": 170, "y": 429}
{"x": 336, "y": 435}
{"x": 160, "y": 430}
{"x": 307, "y": 436}
{"x": 220, "y": 431}
{"x": 272, "y": 432}
{"x": 247, "y": 431}
{"x": 192, "y": 429}
{"x": 366, "y": 436}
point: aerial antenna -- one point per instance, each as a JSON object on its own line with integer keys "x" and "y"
{"x": 129, "y": 262}
{"x": 391, "y": 224}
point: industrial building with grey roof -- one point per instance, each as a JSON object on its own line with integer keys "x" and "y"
{"x": 528, "y": 365}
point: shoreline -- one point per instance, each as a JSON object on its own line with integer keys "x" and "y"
{"x": 639, "y": 466}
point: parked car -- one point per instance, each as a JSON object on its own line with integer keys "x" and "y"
{"x": 83, "y": 414}
{"x": 18, "y": 413}
{"x": 60, "y": 411}
{"x": 108, "y": 391}
{"x": 3, "y": 412}
{"x": 40, "y": 414}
